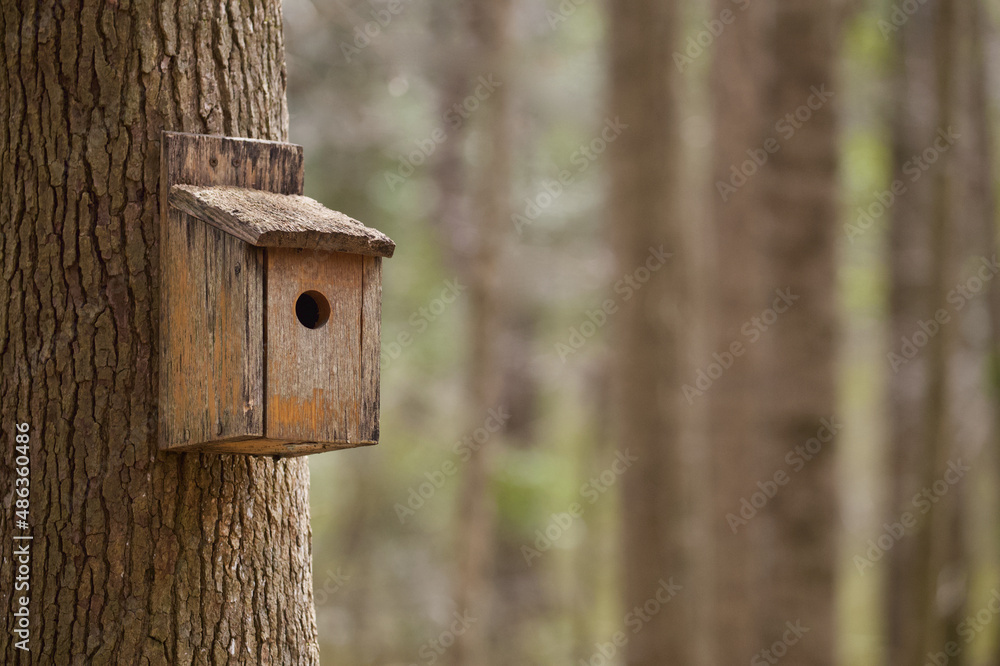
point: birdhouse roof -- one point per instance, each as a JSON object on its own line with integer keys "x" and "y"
{"x": 267, "y": 219}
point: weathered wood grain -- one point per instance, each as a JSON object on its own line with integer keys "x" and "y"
{"x": 313, "y": 375}
{"x": 239, "y": 372}
{"x": 211, "y": 309}
{"x": 269, "y": 219}
{"x": 371, "y": 346}
{"x": 265, "y": 446}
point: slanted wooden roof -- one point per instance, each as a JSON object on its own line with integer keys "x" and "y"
{"x": 267, "y": 219}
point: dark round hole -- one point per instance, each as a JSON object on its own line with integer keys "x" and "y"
{"x": 312, "y": 309}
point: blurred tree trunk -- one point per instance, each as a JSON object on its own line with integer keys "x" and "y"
{"x": 367, "y": 644}
{"x": 138, "y": 557}
{"x": 942, "y": 539}
{"x": 644, "y": 170}
{"x": 983, "y": 181}
{"x": 595, "y": 550}
{"x": 453, "y": 71}
{"x": 920, "y": 258}
{"x": 984, "y": 35}
{"x": 911, "y": 278}
{"x": 972, "y": 399}
{"x": 799, "y": 379}
{"x": 490, "y": 202}
{"x": 739, "y": 85}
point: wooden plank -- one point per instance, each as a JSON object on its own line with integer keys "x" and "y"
{"x": 265, "y": 446}
{"x": 371, "y": 349}
{"x": 313, "y": 374}
{"x": 267, "y": 219}
{"x": 211, "y": 287}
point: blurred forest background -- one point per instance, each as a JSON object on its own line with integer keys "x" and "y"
{"x": 690, "y": 341}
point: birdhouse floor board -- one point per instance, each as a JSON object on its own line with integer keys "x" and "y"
{"x": 263, "y": 446}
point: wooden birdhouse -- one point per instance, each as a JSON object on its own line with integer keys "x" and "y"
{"x": 270, "y": 305}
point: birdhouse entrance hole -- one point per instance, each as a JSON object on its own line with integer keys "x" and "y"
{"x": 312, "y": 309}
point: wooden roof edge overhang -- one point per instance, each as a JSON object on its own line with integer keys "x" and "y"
{"x": 267, "y": 219}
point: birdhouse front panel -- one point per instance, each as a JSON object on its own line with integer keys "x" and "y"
{"x": 270, "y": 305}
{"x": 313, "y": 334}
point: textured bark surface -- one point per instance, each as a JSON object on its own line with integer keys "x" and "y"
{"x": 799, "y": 388}
{"x": 138, "y": 557}
{"x": 648, "y": 342}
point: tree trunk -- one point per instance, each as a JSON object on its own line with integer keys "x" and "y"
{"x": 739, "y": 83}
{"x": 648, "y": 340}
{"x": 982, "y": 183}
{"x": 922, "y": 263}
{"x": 490, "y": 193}
{"x": 799, "y": 387}
{"x": 137, "y": 557}
{"x": 910, "y": 267}
{"x": 594, "y": 553}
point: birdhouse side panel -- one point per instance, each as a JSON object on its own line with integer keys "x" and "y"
{"x": 211, "y": 294}
{"x": 313, "y": 346}
{"x": 371, "y": 346}
{"x": 211, "y": 337}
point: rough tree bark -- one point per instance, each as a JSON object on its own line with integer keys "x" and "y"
{"x": 138, "y": 557}
{"x": 649, "y": 333}
{"x": 799, "y": 387}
